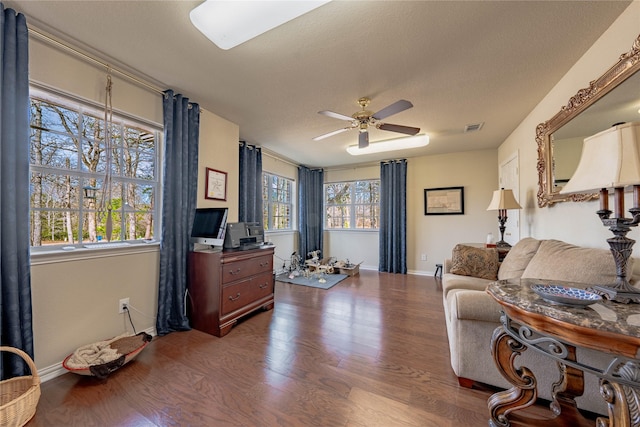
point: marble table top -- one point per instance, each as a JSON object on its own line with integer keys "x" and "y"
{"x": 605, "y": 315}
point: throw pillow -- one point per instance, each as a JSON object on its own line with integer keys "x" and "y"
{"x": 475, "y": 262}
{"x": 557, "y": 260}
{"x": 518, "y": 258}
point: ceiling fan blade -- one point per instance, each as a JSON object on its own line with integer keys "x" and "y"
{"x": 335, "y": 132}
{"x": 392, "y": 109}
{"x": 335, "y": 115}
{"x": 399, "y": 128}
{"x": 363, "y": 140}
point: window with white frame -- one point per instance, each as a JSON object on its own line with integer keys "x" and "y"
{"x": 277, "y": 204}
{"x": 352, "y": 205}
{"x": 68, "y": 162}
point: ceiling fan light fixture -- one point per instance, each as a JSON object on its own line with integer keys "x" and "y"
{"x": 230, "y": 23}
{"x": 390, "y": 145}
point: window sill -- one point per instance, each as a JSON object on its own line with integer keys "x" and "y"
{"x": 276, "y": 232}
{"x": 55, "y": 255}
{"x": 353, "y": 230}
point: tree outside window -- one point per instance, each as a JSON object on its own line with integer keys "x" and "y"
{"x": 276, "y": 202}
{"x": 68, "y": 169}
{"x": 352, "y": 205}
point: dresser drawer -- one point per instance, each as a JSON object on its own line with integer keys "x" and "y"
{"x": 239, "y": 294}
{"x": 241, "y": 269}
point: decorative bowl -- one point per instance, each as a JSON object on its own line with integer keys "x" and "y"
{"x": 558, "y": 294}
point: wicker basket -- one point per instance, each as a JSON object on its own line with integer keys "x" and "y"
{"x": 19, "y": 396}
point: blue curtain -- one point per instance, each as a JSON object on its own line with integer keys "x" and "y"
{"x": 15, "y": 271}
{"x": 393, "y": 216}
{"x": 250, "y": 183}
{"x": 179, "y": 196}
{"x": 310, "y": 206}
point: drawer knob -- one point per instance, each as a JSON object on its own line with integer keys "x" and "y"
{"x": 264, "y": 264}
{"x": 236, "y": 271}
{"x": 231, "y": 298}
{"x": 264, "y": 286}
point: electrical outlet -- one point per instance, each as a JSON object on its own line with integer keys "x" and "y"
{"x": 423, "y": 257}
{"x": 122, "y": 303}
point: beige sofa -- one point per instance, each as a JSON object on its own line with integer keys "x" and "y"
{"x": 472, "y": 315}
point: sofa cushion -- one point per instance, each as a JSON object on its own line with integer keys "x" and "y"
{"x": 452, "y": 281}
{"x": 518, "y": 258}
{"x": 475, "y": 262}
{"x": 557, "y": 260}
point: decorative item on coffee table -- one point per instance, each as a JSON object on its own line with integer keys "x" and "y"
{"x": 611, "y": 159}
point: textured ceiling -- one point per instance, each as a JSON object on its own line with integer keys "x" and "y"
{"x": 458, "y": 62}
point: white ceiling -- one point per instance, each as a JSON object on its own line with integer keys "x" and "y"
{"x": 458, "y": 62}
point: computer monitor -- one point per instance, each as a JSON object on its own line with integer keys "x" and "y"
{"x": 209, "y": 226}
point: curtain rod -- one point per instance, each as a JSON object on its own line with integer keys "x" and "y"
{"x": 89, "y": 58}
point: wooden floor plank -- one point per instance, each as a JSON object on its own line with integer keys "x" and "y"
{"x": 371, "y": 351}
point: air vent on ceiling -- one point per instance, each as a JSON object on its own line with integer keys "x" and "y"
{"x": 474, "y": 127}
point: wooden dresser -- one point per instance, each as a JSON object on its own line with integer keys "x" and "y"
{"x": 224, "y": 286}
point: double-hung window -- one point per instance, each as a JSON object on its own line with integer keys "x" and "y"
{"x": 352, "y": 205}
{"x": 277, "y": 205}
{"x": 70, "y": 195}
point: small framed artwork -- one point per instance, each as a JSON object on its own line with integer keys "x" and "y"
{"x": 444, "y": 201}
{"x": 215, "y": 185}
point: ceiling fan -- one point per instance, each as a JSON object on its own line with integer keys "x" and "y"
{"x": 364, "y": 118}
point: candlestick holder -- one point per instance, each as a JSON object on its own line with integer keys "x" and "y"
{"x": 621, "y": 247}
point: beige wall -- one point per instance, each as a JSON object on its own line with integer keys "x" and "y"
{"x": 75, "y": 300}
{"x": 436, "y": 235}
{"x": 75, "y": 296}
{"x": 572, "y": 222}
{"x": 219, "y": 150}
{"x": 432, "y": 235}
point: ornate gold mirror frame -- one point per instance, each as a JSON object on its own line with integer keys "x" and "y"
{"x": 627, "y": 65}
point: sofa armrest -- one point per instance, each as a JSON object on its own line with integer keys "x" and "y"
{"x": 467, "y": 304}
{"x": 447, "y": 266}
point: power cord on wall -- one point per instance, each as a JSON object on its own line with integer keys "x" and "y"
{"x": 125, "y": 307}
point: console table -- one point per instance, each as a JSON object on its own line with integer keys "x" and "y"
{"x": 225, "y": 286}
{"x": 528, "y": 321}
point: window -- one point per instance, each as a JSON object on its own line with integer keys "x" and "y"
{"x": 276, "y": 202}
{"x": 68, "y": 159}
{"x": 352, "y": 205}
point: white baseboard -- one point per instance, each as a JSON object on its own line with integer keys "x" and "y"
{"x": 55, "y": 370}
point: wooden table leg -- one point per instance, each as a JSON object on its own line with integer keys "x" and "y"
{"x": 523, "y": 393}
{"x": 568, "y": 387}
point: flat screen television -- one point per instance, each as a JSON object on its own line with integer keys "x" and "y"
{"x": 209, "y": 226}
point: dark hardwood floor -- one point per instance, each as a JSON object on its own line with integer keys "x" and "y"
{"x": 371, "y": 351}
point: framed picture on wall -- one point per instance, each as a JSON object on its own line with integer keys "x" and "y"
{"x": 444, "y": 201}
{"x": 215, "y": 185}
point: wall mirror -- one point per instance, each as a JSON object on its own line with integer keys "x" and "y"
{"x": 612, "y": 98}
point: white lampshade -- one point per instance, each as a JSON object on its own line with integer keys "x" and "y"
{"x": 609, "y": 159}
{"x": 503, "y": 199}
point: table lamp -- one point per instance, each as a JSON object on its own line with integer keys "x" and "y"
{"x": 502, "y": 201}
{"x": 611, "y": 160}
